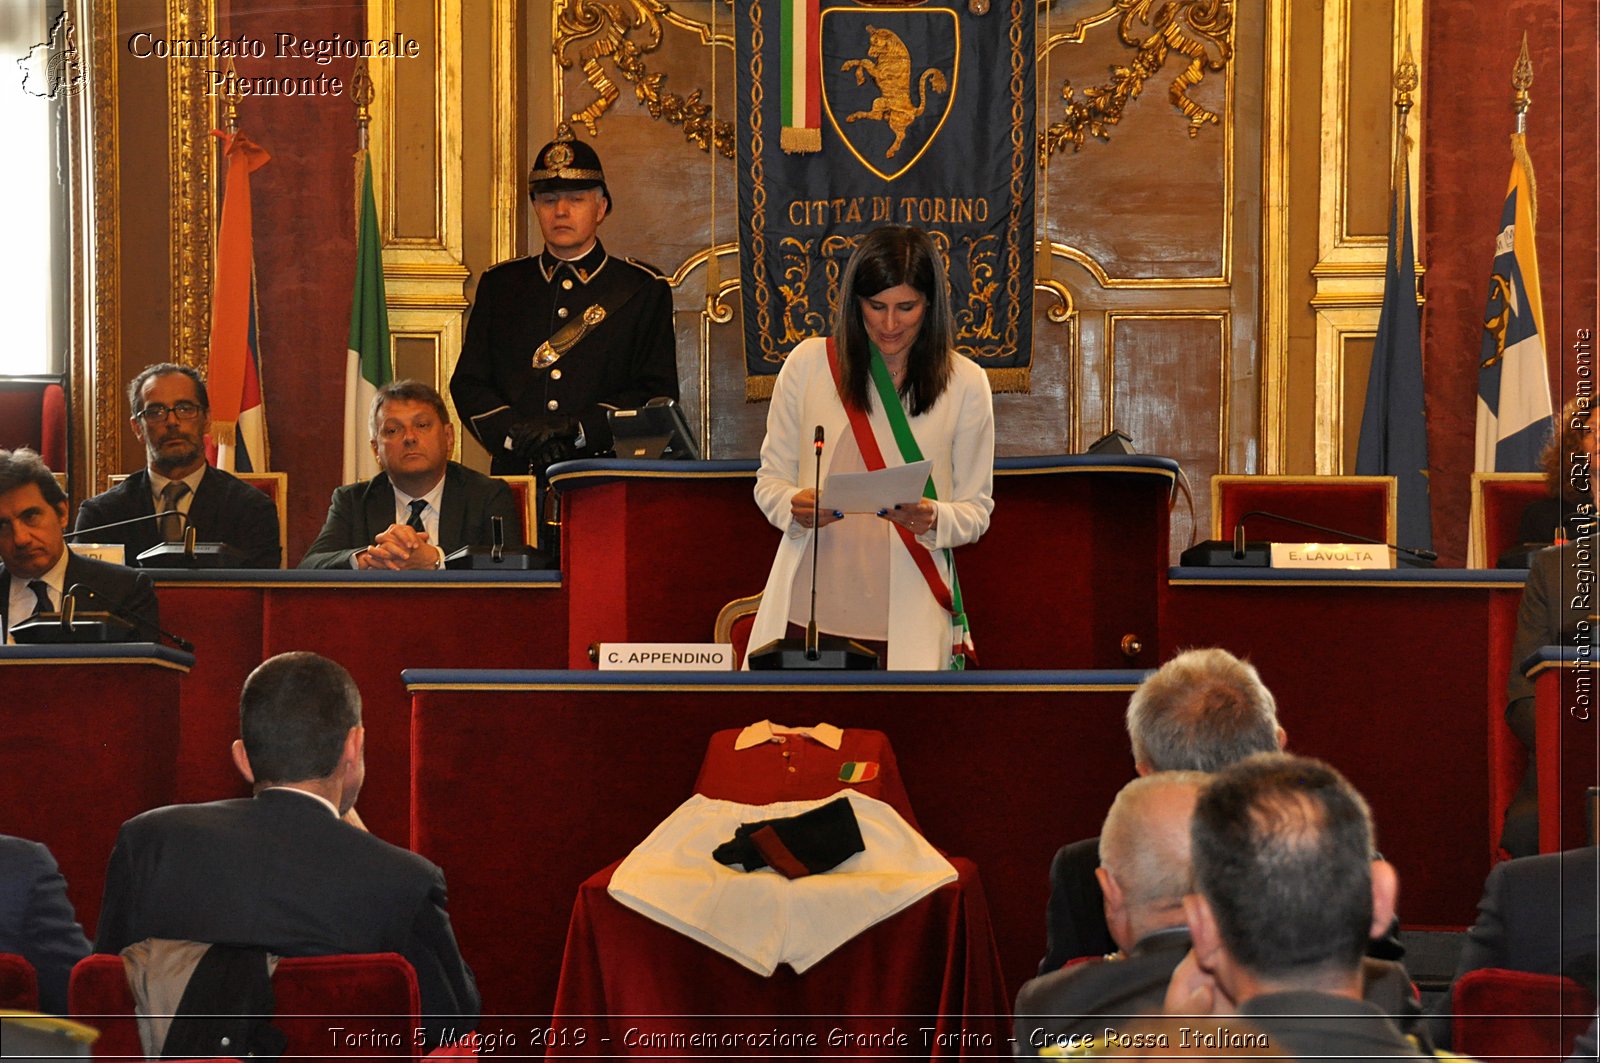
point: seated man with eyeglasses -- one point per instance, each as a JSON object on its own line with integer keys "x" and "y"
{"x": 422, "y": 506}
{"x": 177, "y": 489}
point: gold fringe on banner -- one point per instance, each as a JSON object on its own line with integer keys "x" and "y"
{"x": 225, "y": 433}
{"x": 798, "y": 140}
{"x": 1015, "y": 379}
{"x": 759, "y": 388}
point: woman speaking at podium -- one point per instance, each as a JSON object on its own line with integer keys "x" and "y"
{"x": 886, "y": 389}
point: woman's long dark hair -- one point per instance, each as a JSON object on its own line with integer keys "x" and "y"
{"x": 887, "y": 258}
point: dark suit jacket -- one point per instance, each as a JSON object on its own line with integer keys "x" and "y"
{"x": 126, "y": 589}
{"x": 224, "y": 510}
{"x": 36, "y": 918}
{"x": 280, "y": 871}
{"x": 1538, "y": 915}
{"x": 1087, "y": 997}
{"x": 1331, "y": 1029}
{"x": 360, "y": 511}
{"x": 1075, "y": 920}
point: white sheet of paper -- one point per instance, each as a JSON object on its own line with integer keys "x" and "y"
{"x": 868, "y": 492}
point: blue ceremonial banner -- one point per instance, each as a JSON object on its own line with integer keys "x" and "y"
{"x": 1394, "y": 423}
{"x": 927, "y": 119}
{"x": 1514, "y": 412}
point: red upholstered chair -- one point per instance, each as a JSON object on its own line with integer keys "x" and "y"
{"x": 1512, "y": 1015}
{"x": 1361, "y": 504}
{"x": 526, "y": 491}
{"x": 1498, "y": 499}
{"x": 33, "y": 413}
{"x": 734, "y": 622}
{"x": 377, "y": 992}
{"x": 19, "y": 985}
{"x": 275, "y": 485}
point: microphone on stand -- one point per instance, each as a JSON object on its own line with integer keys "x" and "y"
{"x": 130, "y": 520}
{"x": 814, "y": 652}
{"x": 1344, "y": 536}
{"x": 1220, "y": 553}
{"x": 132, "y": 619}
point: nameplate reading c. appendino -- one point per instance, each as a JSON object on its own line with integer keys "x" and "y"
{"x": 665, "y": 657}
{"x": 1331, "y": 555}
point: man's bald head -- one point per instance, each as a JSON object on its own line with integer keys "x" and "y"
{"x": 1144, "y": 851}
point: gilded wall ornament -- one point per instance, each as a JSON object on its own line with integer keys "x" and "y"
{"x": 1201, "y": 30}
{"x": 624, "y": 32}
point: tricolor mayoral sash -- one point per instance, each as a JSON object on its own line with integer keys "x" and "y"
{"x": 853, "y": 115}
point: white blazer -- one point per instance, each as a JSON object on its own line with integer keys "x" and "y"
{"x": 957, "y": 435}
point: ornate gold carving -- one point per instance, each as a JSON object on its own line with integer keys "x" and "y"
{"x": 103, "y": 239}
{"x": 189, "y": 117}
{"x": 1202, "y": 30}
{"x": 587, "y": 31}
{"x": 1065, "y": 309}
{"x": 1405, "y": 80}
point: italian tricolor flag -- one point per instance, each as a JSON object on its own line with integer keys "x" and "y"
{"x": 802, "y": 78}
{"x": 367, "y": 366}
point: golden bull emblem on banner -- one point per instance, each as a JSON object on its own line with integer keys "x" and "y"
{"x": 902, "y": 122}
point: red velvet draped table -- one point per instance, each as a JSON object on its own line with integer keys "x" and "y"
{"x": 1398, "y": 679}
{"x": 1565, "y": 704}
{"x": 524, "y": 784}
{"x": 372, "y": 623}
{"x": 924, "y": 983}
{"x": 91, "y": 739}
{"x": 1069, "y": 567}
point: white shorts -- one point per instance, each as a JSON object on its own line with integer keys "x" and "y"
{"x": 759, "y": 918}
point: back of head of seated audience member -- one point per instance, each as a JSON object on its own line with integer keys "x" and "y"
{"x": 300, "y": 724}
{"x": 1287, "y": 892}
{"x": 1201, "y": 711}
{"x": 1144, "y": 854}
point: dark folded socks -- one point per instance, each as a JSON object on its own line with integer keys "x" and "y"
{"x": 795, "y": 846}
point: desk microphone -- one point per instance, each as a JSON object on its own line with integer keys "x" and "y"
{"x": 130, "y": 520}
{"x": 116, "y": 610}
{"x": 1344, "y": 536}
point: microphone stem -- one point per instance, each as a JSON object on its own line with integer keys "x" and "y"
{"x": 812, "y": 649}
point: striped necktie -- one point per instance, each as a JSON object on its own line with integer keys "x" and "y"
{"x": 171, "y": 522}
{"x": 417, "y": 506}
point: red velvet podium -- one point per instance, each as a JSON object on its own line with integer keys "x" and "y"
{"x": 1398, "y": 679}
{"x": 1070, "y": 565}
{"x": 91, "y": 740}
{"x": 1566, "y": 701}
{"x": 372, "y": 623}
